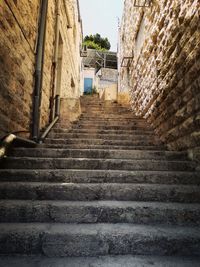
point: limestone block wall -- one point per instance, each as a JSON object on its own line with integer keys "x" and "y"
{"x": 109, "y": 74}
{"x": 164, "y": 75}
{"x": 18, "y": 30}
{"x": 107, "y": 83}
{"x": 70, "y": 33}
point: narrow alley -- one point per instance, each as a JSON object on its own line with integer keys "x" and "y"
{"x": 99, "y": 150}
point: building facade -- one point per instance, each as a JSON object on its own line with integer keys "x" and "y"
{"x": 160, "y": 55}
{"x": 21, "y": 22}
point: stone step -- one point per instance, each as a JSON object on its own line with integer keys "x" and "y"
{"x": 109, "y": 147}
{"x": 115, "y": 110}
{"x": 92, "y": 131}
{"x": 103, "y": 105}
{"x": 89, "y": 192}
{"x": 97, "y": 164}
{"x": 125, "y": 126}
{"x": 102, "y": 136}
{"x": 95, "y": 153}
{"x": 108, "y": 127}
{"x": 100, "y": 176}
{"x": 110, "y": 142}
{"x": 103, "y": 261}
{"x": 64, "y": 240}
{"x": 90, "y": 105}
{"x": 106, "y": 110}
{"x": 19, "y": 211}
{"x": 107, "y": 116}
{"x": 110, "y": 122}
{"x": 110, "y": 118}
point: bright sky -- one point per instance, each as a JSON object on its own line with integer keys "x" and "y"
{"x": 101, "y": 16}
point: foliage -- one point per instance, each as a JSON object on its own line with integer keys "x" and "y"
{"x": 97, "y": 42}
{"x": 92, "y": 92}
{"x": 92, "y": 45}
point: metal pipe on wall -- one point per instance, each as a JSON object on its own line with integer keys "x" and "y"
{"x": 55, "y": 61}
{"x": 39, "y": 69}
{"x": 57, "y": 30}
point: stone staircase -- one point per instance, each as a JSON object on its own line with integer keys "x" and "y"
{"x": 105, "y": 193}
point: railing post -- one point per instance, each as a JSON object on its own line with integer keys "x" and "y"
{"x": 57, "y": 106}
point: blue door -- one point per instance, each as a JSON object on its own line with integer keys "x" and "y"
{"x": 88, "y": 82}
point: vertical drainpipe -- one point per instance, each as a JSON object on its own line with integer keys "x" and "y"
{"x": 57, "y": 32}
{"x": 39, "y": 70}
{"x": 55, "y": 61}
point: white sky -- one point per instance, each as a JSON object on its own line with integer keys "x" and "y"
{"x": 101, "y": 16}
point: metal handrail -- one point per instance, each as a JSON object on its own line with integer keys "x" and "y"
{"x": 57, "y": 114}
{"x": 9, "y": 140}
{"x": 48, "y": 129}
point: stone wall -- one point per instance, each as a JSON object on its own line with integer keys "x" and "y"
{"x": 110, "y": 75}
{"x": 106, "y": 77}
{"x": 107, "y": 84}
{"x": 18, "y": 29}
{"x": 164, "y": 76}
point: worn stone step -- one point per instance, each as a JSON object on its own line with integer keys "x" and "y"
{"x": 92, "y": 131}
{"x": 88, "y": 105}
{"x": 129, "y": 116}
{"x": 89, "y": 192}
{"x": 107, "y": 116}
{"x": 108, "y": 127}
{"x": 102, "y": 117}
{"x": 64, "y": 240}
{"x": 95, "y": 164}
{"x": 109, "y": 147}
{"x": 91, "y": 104}
{"x": 108, "y": 124}
{"x": 113, "y": 119}
{"x": 113, "y": 106}
{"x": 105, "y": 111}
{"x": 102, "y": 109}
{"x": 121, "y": 137}
{"x": 19, "y": 211}
{"x": 102, "y": 136}
{"x": 111, "y": 123}
{"x": 95, "y": 153}
{"x": 110, "y": 142}
{"x": 121, "y": 123}
{"x": 100, "y": 176}
{"x": 103, "y": 261}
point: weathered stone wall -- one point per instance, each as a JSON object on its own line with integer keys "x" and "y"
{"x": 108, "y": 74}
{"x": 71, "y": 63}
{"x": 18, "y": 29}
{"x": 107, "y": 84}
{"x": 106, "y": 77}
{"x": 164, "y": 79}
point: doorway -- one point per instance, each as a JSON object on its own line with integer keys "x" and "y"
{"x": 88, "y": 82}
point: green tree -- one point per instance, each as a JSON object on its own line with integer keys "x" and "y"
{"x": 97, "y": 42}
